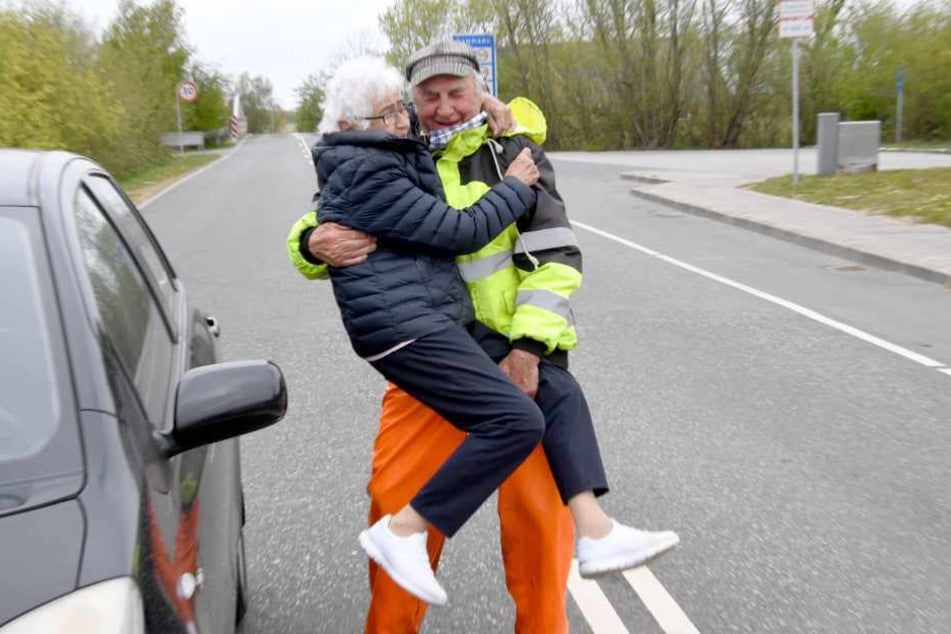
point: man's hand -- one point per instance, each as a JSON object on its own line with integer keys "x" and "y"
{"x": 340, "y": 246}
{"x": 500, "y": 117}
{"x": 522, "y": 367}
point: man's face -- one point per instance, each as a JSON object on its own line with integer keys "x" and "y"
{"x": 446, "y": 100}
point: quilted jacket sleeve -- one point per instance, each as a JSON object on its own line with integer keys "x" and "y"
{"x": 381, "y": 200}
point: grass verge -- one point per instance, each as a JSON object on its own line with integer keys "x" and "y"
{"x": 924, "y": 194}
{"x": 152, "y": 179}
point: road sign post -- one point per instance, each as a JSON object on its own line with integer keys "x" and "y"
{"x": 186, "y": 91}
{"x": 900, "y": 93}
{"x": 484, "y": 45}
{"x": 795, "y": 109}
{"x": 796, "y": 22}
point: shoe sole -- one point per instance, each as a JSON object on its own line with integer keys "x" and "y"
{"x": 374, "y": 553}
{"x": 625, "y": 562}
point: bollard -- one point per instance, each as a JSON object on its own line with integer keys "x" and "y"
{"x": 827, "y": 130}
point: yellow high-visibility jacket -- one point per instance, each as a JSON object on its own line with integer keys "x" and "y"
{"x": 520, "y": 283}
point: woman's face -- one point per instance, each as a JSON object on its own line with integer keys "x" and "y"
{"x": 389, "y": 115}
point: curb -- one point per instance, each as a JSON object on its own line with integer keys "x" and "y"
{"x": 647, "y": 180}
{"x": 914, "y": 151}
{"x": 832, "y": 248}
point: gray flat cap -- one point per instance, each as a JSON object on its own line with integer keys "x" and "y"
{"x": 446, "y": 57}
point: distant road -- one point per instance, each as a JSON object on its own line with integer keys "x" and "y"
{"x": 805, "y": 468}
{"x": 735, "y": 167}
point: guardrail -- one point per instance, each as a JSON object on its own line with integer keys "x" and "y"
{"x": 184, "y": 139}
{"x": 196, "y": 139}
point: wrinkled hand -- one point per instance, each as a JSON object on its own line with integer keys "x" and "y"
{"x": 340, "y": 246}
{"x": 522, "y": 367}
{"x": 500, "y": 117}
{"x": 523, "y": 168}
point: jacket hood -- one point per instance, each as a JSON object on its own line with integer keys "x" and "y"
{"x": 363, "y": 138}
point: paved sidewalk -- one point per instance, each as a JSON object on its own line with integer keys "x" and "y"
{"x": 706, "y": 183}
{"x": 921, "y": 250}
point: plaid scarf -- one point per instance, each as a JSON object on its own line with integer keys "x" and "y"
{"x": 439, "y": 139}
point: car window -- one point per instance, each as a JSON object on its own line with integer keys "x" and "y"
{"x": 131, "y": 227}
{"x": 30, "y": 406}
{"x": 130, "y": 316}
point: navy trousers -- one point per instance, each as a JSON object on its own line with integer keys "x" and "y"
{"x": 450, "y": 373}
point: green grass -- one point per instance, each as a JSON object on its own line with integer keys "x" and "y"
{"x": 924, "y": 195}
{"x": 151, "y": 179}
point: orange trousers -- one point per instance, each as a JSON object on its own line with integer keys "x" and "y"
{"x": 536, "y": 527}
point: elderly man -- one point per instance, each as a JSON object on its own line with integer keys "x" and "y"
{"x": 520, "y": 285}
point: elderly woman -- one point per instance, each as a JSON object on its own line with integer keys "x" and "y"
{"x": 407, "y": 312}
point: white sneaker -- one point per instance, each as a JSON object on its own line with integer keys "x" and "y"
{"x": 405, "y": 559}
{"x": 622, "y": 548}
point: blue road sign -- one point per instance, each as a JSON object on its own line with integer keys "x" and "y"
{"x": 484, "y": 45}
{"x": 900, "y": 79}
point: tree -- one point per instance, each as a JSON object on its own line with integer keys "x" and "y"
{"x": 257, "y": 102}
{"x": 412, "y": 24}
{"x": 210, "y": 111}
{"x": 51, "y": 95}
{"x": 310, "y": 95}
{"x": 143, "y": 55}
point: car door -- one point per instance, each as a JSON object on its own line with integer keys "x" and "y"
{"x": 192, "y": 499}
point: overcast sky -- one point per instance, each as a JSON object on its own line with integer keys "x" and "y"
{"x": 282, "y": 40}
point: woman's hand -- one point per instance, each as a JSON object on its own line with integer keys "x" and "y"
{"x": 523, "y": 168}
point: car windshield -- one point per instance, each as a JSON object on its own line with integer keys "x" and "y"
{"x": 29, "y": 395}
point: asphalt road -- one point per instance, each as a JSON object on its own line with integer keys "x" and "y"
{"x": 760, "y": 398}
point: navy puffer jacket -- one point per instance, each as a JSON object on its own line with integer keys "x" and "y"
{"x": 410, "y": 286}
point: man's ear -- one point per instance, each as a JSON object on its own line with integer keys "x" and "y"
{"x": 344, "y": 125}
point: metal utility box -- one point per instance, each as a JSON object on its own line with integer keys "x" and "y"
{"x": 858, "y": 146}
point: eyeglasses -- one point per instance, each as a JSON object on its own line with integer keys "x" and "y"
{"x": 390, "y": 115}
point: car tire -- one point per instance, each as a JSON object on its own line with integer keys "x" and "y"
{"x": 241, "y": 587}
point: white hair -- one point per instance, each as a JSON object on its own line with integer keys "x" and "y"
{"x": 354, "y": 88}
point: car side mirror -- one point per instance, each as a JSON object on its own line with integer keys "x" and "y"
{"x": 223, "y": 400}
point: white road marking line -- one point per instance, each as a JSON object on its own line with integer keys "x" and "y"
{"x": 594, "y": 606}
{"x": 805, "y": 312}
{"x": 192, "y": 175}
{"x": 659, "y": 602}
{"x": 303, "y": 144}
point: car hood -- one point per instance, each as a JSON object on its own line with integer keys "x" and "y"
{"x": 41, "y": 551}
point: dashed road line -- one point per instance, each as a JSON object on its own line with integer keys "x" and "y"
{"x": 594, "y": 605}
{"x": 659, "y": 602}
{"x": 805, "y": 312}
{"x": 603, "y": 619}
{"x": 303, "y": 145}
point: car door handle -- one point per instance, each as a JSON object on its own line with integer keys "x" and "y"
{"x": 213, "y": 325}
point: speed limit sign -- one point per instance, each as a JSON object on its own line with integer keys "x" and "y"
{"x": 187, "y": 91}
